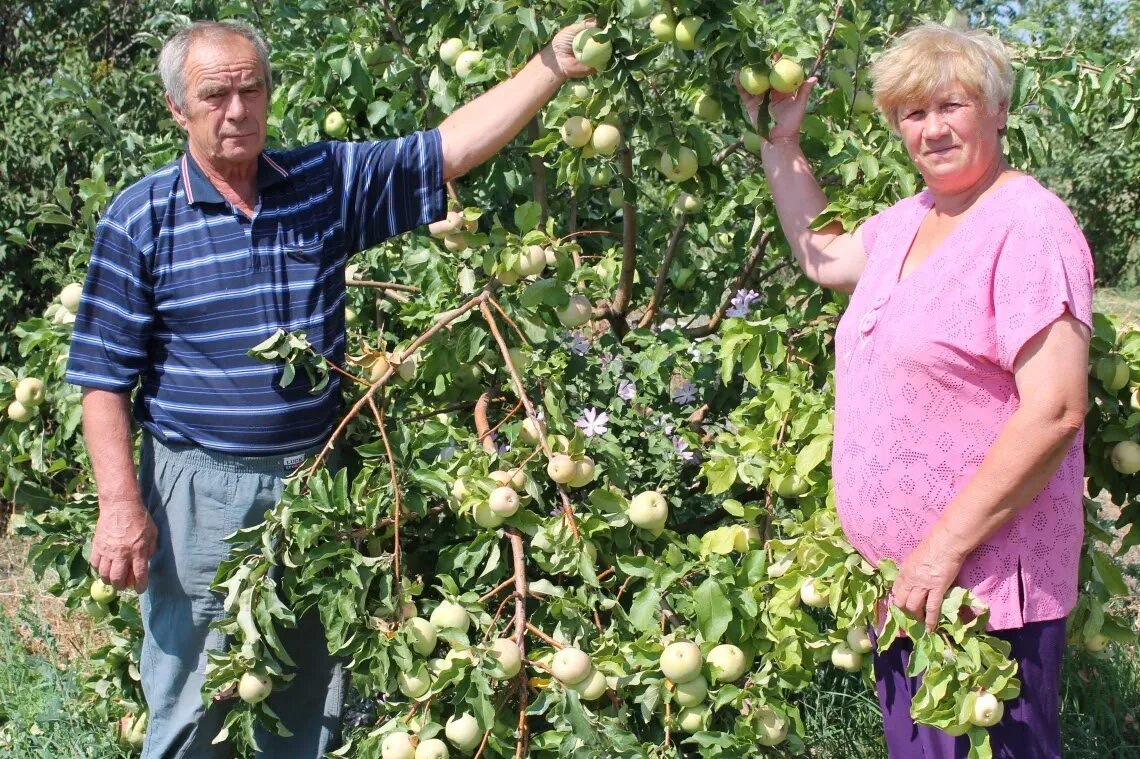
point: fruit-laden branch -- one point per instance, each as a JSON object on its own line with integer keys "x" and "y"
{"x": 442, "y": 320}
{"x": 482, "y": 424}
{"x": 538, "y": 171}
{"x": 726, "y": 151}
{"x": 835, "y": 14}
{"x": 750, "y": 265}
{"x": 520, "y": 389}
{"x": 624, "y": 292}
{"x": 510, "y": 321}
{"x": 396, "y": 501}
{"x": 407, "y": 51}
{"x": 520, "y": 634}
{"x": 663, "y": 272}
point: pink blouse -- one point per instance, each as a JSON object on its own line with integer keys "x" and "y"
{"x": 924, "y": 383}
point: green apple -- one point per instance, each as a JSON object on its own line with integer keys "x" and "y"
{"x": 378, "y": 367}
{"x": 561, "y": 468}
{"x": 413, "y": 686}
{"x": 593, "y": 687}
{"x": 591, "y": 48}
{"x": 859, "y": 640}
{"x": 642, "y": 8}
{"x": 1125, "y": 456}
{"x": 503, "y": 501}
{"x": 397, "y": 745}
{"x": 707, "y": 108}
{"x": 685, "y": 167}
{"x": 863, "y": 103}
{"x": 727, "y": 663}
{"x": 432, "y": 748}
{"x": 583, "y": 473}
{"x": 484, "y": 517}
{"x": 18, "y": 412}
{"x": 663, "y": 27}
{"x": 844, "y": 658}
{"x": 463, "y": 732}
{"x": 601, "y": 176}
{"x": 506, "y": 652}
{"x": 616, "y": 198}
{"x": 1113, "y": 373}
{"x": 571, "y": 666}
{"x": 576, "y": 131}
{"x": 423, "y": 634}
{"x": 786, "y": 76}
{"x": 752, "y": 142}
{"x": 577, "y": 312}
{"x": 692, "y": 720}
{"x": 988, "y": 710}
{"x": 791, "y": 485}
{"x": 772, "y": 729}
{"x": 69, "y": 296}
{"x": 532, "y": 260}
{"x": 649, "y": 511}
{"x": 692, "y": 692}
{"x": 681, "y": 661}
{"x": 746, "y": 538}
{"x": 450, "y": 49}
{"x": 687, "y": 203}
{"x": 465, "y": 62}
{"x": 254, "y": 688}
{"x": 532, "y": 431}
{"x": 132, "y": 730}
{"x": 335, "y": 125}
{"x": 450, "y": 614}
{"x": 1096, "y": 643}
{"x": 813, "y": 594}
{"x": 605, "y": 139}
{"x": 102, "y": 593}
{"x": 686, "y": 32}
{"x": 455, "y": 243}
{"x": 350, "y": 316}
{"x": 754, "y": 81}
{"x": 580, "y": 91}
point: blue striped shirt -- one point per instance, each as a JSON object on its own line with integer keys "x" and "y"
{"x": 181, "y": 285}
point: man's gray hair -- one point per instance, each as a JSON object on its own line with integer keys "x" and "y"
{"x": 172, "y": 59}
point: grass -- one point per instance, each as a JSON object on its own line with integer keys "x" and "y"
{"x": 43, "y": 712}
{"x": 1123, "y": 304}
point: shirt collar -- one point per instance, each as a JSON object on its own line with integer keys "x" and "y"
{"x": 199, "y": 189}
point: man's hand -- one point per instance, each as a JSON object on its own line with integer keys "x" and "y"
{"x": 562, "y": 48}
{"x": 924, "y": 578}
{"x": 125, "y": 538}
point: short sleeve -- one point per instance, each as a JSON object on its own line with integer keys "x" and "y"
{"x": 389, "y": 187}
{"x": 1043, "y": 269}
{"x": 112, "y": 329}
{"x": 869, "y": 230}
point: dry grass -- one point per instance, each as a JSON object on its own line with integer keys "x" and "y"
{"x": 74, "y": 631}
{"x": 1124, "y": 304}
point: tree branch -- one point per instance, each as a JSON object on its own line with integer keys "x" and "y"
{"x": 749, "y": 266}
{"x": 663, "y": 273}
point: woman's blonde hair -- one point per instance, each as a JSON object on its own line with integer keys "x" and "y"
{"x": 932, "y": 58}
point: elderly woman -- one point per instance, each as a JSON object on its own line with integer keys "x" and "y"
{"x": 960, "y": 373}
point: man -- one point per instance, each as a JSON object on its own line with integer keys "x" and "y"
{"x": 192, "y": 266}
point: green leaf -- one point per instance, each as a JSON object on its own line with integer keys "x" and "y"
{"x": 713, "y": 610}
{"x": 528, "y": 216}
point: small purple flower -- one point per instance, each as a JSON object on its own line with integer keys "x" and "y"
{"x": 682, "y": 448}
{"x": 684, "y": 393}
{"x": 579, "y": 345}
{"x": 592, "y": 423}
{"x": 742, "y": 303}
{"x": 500, "y": 448}
{"x": 666, "y": 427}
{"x": 626, "y": 390}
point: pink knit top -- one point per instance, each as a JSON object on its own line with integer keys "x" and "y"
{"x": 924, "y": 383}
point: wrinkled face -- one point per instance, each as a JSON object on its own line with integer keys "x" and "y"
{"x": 226, "y": 101}
{"x": 952, "y": 140}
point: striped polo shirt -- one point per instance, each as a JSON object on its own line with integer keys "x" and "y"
{"x": 181, "y": 285}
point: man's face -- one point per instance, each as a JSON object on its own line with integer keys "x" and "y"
{"x": 226, "y": 101}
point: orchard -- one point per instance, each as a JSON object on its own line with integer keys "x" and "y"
{"x": 586, "y": 508}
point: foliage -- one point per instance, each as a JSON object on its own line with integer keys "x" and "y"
{"x": 705, "y": 375}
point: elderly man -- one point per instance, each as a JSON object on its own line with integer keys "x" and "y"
{"x": 191, "y": 266}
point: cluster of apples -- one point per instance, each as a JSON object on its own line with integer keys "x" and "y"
{"x": 30, "y": 393}
{"x": 455, "y": 54}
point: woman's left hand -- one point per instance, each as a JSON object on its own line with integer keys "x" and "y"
{"x": 923, "y": 580}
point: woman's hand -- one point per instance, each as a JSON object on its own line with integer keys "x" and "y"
{"x": 787, "y": 110}
{"x": 924, "y": 578}
{"x": 562, "y": 50}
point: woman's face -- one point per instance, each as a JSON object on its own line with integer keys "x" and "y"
{"x": 952, "y": 140}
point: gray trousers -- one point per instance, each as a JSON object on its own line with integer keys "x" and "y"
{"x": 197, "y": 498}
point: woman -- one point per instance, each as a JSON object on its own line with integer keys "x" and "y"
{"x": 960, "y": 373}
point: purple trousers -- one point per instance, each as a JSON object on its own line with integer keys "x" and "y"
{"x": 1031, "y": 726}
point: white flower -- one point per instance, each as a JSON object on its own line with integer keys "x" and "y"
{"x": 626, "y": 390}
{"x": 592, "y": 423}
